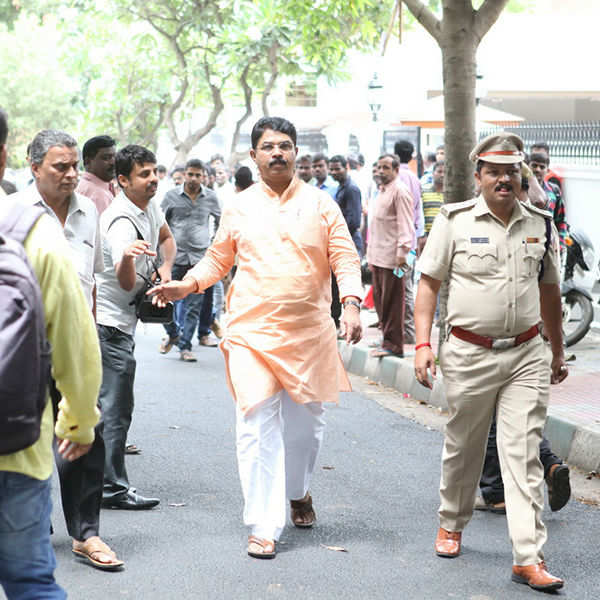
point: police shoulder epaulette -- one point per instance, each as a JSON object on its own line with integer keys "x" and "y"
{"x": 540, "y": 211}
{"x": 449, "y": 209}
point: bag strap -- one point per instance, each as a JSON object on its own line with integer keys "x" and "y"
{"x": 19, "y": 221}
{"x": 139, "y": 235}
{"x": 546, "y": 246}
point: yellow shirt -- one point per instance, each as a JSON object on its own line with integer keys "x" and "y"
{"x": 280, "y": 333}
{"x": 492, "y": 269}
{"x": 76, "y": 364}
{"x": 432, "y": 203}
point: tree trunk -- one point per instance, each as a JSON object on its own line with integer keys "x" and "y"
{"x": 459, "y": 70}
{"x": 458, "y": 34}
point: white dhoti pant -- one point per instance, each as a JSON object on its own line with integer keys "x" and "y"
{"x": 278, "y": 442}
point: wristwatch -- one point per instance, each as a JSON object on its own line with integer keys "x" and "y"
{"x": 353, "y": 302}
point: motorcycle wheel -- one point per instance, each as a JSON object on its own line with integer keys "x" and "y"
{"x": 578, "y": 314}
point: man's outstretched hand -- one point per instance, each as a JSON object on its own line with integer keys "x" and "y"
{"x": 171, "y": 291}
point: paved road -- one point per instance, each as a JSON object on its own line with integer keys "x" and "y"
{"x": 375, "y": 493}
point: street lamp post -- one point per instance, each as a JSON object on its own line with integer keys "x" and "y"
{"x": 374, "y": 134}
{"x": 375, "y": 95}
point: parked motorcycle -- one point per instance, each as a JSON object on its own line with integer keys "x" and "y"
{"x": 577, "y": 307}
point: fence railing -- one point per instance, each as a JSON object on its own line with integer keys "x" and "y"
{"x": 569, "y": 142}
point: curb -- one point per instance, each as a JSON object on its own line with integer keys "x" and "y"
{"x": 576, "y": 444}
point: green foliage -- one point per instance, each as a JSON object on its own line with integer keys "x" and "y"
{"x": 127, "y": 67}
{"x": 123, "y": 85}
{"x": 34, "y": 89}
{"x": 8, "y": 12}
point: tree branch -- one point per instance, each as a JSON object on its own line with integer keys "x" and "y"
{"x": 422, "y": 14}
{"x": 120, "y": 125}
{"x": 487, "y": 15}
{"x": 218, "y": 106}
{"x": 272, "y": 79}
{"x": 181, "y": 60}
{"x": 385, "y": 36}
{"x": 243, "y": 79}
{"x": 151, "y": 137}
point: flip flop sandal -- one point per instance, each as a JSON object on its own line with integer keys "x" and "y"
{"x": 382, "y": 352}
{"x": 132, "y": 449}
{"x": 91, "y": 549}
{"x": 266, "y": 548}
{"x": 302, "y": 509}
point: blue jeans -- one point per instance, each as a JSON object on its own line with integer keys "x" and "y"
{"x": 175, "y": 328}
{"x": 27, "y": 559}
{"x": 198, "y": 312}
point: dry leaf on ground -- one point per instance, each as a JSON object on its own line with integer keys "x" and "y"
{"x": 335, "y": 548}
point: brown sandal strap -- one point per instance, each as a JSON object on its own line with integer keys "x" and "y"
{"x": 93, "y": 545}
{"x": 303, "y": 505}
{"x": 302, "y": 509}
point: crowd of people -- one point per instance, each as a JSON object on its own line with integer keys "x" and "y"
{"x": 289, "y": 248}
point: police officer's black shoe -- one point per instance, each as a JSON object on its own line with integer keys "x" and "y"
{"x": 498, "y": 508}
{"x": 559, "y": 486}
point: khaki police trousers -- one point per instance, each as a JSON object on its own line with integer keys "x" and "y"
{"x": 515, "y": 383}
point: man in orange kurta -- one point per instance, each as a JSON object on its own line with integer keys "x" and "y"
{"x": 280, "y": 346}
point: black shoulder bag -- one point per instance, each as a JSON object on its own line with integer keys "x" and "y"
{"x": 145, "y": 311}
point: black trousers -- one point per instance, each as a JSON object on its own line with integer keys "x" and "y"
{"x": 81, "y": 483}
{"x": 491, "y": 484}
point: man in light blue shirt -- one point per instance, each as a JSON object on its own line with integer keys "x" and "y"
{"x": 322, "y": 179}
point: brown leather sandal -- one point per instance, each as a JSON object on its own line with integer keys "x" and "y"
{"x": 260, "y": 548}
{"x": 97, "y": 553}
{"x": 303, "y": 514}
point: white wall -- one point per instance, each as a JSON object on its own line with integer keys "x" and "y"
{"x": 581, "y": 187}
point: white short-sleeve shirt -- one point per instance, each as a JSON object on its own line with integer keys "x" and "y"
{"x": 82, "y": 232}
{"x": 113, "y": 306}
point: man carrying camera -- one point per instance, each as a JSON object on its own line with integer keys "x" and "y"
{"x": 132, "y": 227}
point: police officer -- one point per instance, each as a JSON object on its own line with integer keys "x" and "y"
{"x": 500, "y": 257}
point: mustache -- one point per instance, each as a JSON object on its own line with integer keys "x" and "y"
{"x": 503, "y": 186}
{"x": 278, "y": 161}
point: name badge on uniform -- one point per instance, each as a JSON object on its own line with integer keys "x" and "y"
{"x": 532, "y": 240}
{"x": 480, "y": 240}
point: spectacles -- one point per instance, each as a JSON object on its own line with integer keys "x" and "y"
{"x": 283, "y": 146}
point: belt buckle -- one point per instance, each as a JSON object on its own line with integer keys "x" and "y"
{"x": 503, "y": 343}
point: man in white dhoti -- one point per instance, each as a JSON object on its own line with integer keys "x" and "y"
{"x": 280, "y": 345}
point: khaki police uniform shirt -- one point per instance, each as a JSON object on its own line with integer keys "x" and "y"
{"x": 492, "y": 269}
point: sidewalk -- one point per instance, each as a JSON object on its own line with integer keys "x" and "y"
{"x": 573, "y": 424}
